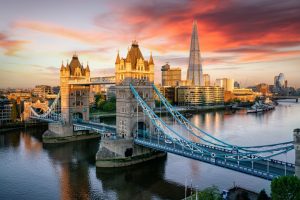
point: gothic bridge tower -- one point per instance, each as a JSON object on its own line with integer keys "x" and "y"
{"x": 135, "y": 70}
{"x": 74, "y": 96}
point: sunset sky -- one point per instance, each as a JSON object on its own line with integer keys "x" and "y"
{"x": 249, "y": 41}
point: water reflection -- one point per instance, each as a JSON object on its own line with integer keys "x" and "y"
{"x": 72, "y": 165}
{"x": 142, "y": 181}
{"x": 31, "y": 170}
{"x": 72, "y": 162}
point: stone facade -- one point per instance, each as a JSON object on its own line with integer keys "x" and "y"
{"x": 140, "y": 73}
{"x": 74, "y": 98}
{"x": 129, "y": 116}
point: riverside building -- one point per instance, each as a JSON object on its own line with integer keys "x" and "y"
{"x": 199, "y": 95}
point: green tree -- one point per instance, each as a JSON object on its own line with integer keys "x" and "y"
{"x": 285, "y": 188}
{"x": 263, "y": 195}
{"x": 109, "y": 106}
{"x": 112, "y": 99}
{"x": 242, "y": 196}
{"x": 210, "y": 193}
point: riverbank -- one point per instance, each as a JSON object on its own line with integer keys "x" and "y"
{"x": 182, "y": 109}
{"x": 21, "y": 125}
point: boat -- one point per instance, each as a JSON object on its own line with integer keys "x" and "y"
{"x": 260, "y": 106}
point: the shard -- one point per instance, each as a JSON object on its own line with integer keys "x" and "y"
{"x": 194, "y": 73}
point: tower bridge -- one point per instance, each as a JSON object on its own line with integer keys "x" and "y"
{"x": 139, "y": 133}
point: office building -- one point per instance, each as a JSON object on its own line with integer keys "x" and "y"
{"x": 194, "y": 72}
{"x": 199, "y": 95}
{"x": 170, "y": 76}
{"x": 226, "y": 83}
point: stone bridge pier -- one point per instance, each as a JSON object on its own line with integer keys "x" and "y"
{"x": 297, "y": 151}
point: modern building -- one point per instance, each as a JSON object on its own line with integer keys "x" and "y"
{"x": 206, "y": 78}
{"x": 241, "y": 94}
{"x": 170, "y": 76}
{"x": 42, "y": 91}
{"x": 194, "y": 72}
{"x": 168, "y": 92}
{"x": 263, "y": 88}
{"x": 280, "y": 84}
{"x": 226, "y": 83}
{"x": 5, "y": 111}
{"x": 134, "y": 66}
{"x": 236, "y": 84}
{"x": 199, "y": 95}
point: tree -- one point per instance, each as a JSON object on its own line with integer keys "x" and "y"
{"x": 285, "y": 188}
{"x": 263, "y": 195}
{"x": 109, "y": 106}
{"x": 242, "y": 196}
{"x": 210, "y": 193}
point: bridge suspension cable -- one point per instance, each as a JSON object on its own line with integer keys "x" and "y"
{"x": 192, "y": 129}
{"x": 51, "y": 114}
{"x": 187, "y": 143}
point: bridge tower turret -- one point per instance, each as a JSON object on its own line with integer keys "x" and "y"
{"x": 135, "y": 70}
{"x": 74, "y": 98}
{"x": 130, "y": 119}
{"x": 297, "y": 151}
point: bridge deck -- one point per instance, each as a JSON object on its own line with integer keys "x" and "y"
{"x": 260, "y": 168}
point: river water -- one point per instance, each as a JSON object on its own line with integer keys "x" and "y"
{"x": 31, "y": 170}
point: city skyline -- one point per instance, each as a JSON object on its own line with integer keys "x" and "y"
{"x": 250, "y": 42}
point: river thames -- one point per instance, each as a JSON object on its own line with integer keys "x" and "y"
{"x": 31, "y": 170}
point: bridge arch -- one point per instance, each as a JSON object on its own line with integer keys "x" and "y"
{"x": 140, "y": 129}
{"x": 77, "y": 116}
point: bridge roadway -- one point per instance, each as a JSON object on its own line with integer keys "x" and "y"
{"x": 266, "y": 169}
{"x": 97, "y": 127}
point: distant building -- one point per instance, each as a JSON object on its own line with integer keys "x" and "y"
{"x": 5, "y": 111}
{"x": 194, "y": 72}
{"x": 42, "y": 91}
{"x": 280, "y": 85}
{"x": 199, "y": 95}
{"x": 55, "y": 89}
{"x": 168, "y": 92}
{"x": 206, "y": 78}
{"x": 110, "y": 92}
{"x": 226, "y": 83}
{"x": 19, "y": 96}
{"x": 236, "y": 84}
{"x": 170, "y": 76}
{"x": 263, "y": 88}
{"x": 241, "y": 94}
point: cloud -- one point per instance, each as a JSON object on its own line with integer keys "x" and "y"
{"x": 256, "y": 26}
{"x": 10, "y": 46}
{"x": 90, "y": 37}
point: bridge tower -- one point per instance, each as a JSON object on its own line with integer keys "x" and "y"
{"x": 74, "y": 96}
{"x": 297, "y": 151}
{"x": 130, "y": 119}
{"x": 135, "y": 70}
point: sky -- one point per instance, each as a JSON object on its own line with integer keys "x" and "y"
{"x": 249, "y": 41}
